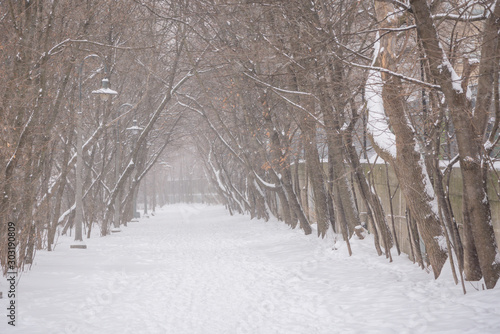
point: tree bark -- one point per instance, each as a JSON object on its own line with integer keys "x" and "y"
{"x": 406, "y": 160}
{"x": 469, "y": 128}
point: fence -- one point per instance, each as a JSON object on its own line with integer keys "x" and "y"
{"x": 379, "y": 176}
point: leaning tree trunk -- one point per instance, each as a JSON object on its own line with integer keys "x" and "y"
{"x": 469, "y": 127}
{"x": 331, "y": 110}
{"x": 384, "y": 99}
{"x": 313, "y": 163}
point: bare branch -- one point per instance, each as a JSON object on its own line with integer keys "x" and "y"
{"x": 384, "y": 70}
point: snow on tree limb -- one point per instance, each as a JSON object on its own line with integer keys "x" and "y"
{"x": 57, "y": 48}
{"x": 66, "y": 213}
{"x": 267, "y": 185}
{"x": 399, "y": 75}
{"x": 461, "y": 18}
{"x": 377, "y": 125}
{"x": 277, "y": 88}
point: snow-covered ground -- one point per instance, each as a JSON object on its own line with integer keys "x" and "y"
{"x": 195, "y": 269}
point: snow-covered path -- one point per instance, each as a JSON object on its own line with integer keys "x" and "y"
{"x": 195, "y": 269}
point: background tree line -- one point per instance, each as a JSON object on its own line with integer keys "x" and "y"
{"x": 263, "y": 90}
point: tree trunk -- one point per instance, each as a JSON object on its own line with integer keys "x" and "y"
{"x": 405, "y": 159}
{"x": 469, "y": 129}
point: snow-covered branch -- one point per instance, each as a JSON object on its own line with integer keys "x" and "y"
{"x": 298, "y": 106}
{"x": 274, "y": 88}
{"x": 56, "y": 48}
{"x": 377, "y": 125}
{"x": 267, "y": 185}
{"x": 399, "y": 75}
{"x": 278, "y": 90}
{"x": 461, "y": 17}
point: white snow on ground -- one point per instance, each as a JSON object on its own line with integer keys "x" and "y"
{"x": 195, "y": 269}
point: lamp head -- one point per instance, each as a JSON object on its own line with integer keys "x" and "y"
{"x": 135, "y": 128}
{"x": 105, "y": 92}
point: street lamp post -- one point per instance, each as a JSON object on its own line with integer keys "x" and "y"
{"x": 104, "y": 92}
{"x": 166, "y": 197}
{"x": 145, "y": 198}
{"x": 116, "y": 222}
{"x": 135, "y": 129}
